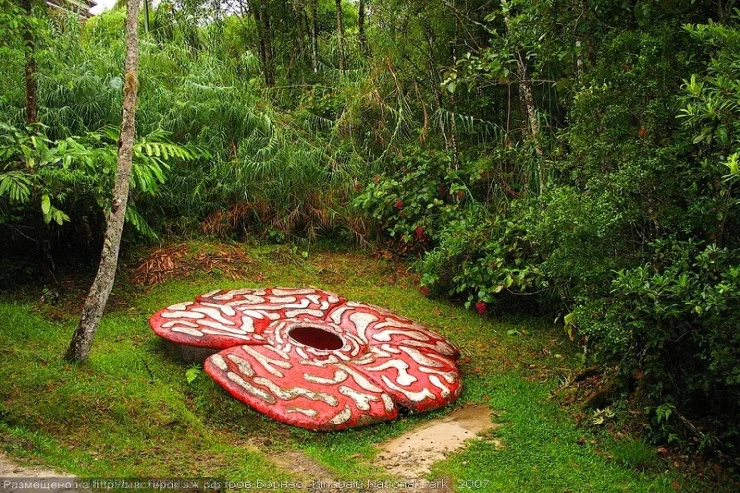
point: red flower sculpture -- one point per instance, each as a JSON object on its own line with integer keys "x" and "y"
{"x": 312, "y": 359}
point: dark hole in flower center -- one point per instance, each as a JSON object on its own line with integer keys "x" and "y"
{"x": 316, "y": 338}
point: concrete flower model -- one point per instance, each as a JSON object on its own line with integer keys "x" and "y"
{"x": 312, "y": 359}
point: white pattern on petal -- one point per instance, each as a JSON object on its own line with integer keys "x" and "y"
{"x": 188, "y": 331}
{"x": 179, "y": 314}
{"x": 420, "y": 357}
{"x": 342, "y": 416}
{"x": 261, "y": 393}
{"x": 242, "y": 364}
{"x": 311, "y": 413}
{"x": 295, "y": 392}
{"x": 414, "y": 396}
{"x": 218, "y": 360}
{"x": 404, "y": 378}
{"x": 437, "y": 383}
{"x": 361, "y": 321}
{"x": 362, "y": 400}
{"x": 339, "y": 377}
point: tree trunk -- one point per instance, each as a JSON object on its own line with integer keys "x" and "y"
{"x": 31, "y": 84}
{"x": 525, "y": 92}
{"x": 146, "y": 16}
{"x": 526, "y": 97}
{"x": 267, "y": 28}
{"x": 340, "y": 36}
{"x": 262, "y": 21}
{"x": 261, "y": 36}
{"x": 314, "y": 34}
{"x": 92, "y": 312}
{"x": 299, "y": 15}
{"x": 361, "y": 28}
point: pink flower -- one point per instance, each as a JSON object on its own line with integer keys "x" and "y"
{"x": 312, "y": 359}
{"x": 481, "y": 307}
{"x": 398, "y": 205}
{"x": 424, "y": 291}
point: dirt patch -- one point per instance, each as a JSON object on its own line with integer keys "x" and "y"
{"x": 9, "y": 470}
{"x": 412, "y": 454}
{"x": 308, "y": 470}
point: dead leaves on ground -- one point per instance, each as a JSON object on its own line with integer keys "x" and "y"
{"x": 178, "y": 261}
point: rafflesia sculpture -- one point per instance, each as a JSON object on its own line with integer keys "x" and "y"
{"x": 312, "y": 359}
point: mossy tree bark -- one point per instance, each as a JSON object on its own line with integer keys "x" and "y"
{"x": 92, "y": 312}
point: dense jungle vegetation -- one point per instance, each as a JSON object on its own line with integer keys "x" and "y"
{"x": 569, "y": 158}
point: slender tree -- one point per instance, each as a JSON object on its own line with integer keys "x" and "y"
{"x": 30, "y": 75}
{"x": 361, "y": 16}
{"x": 261, "y": 15}
{"x": 313, "y": 4}
{"x": 79, "y": 347}
{"x": 526, "y": 99}
{"x": 340, "y": 36}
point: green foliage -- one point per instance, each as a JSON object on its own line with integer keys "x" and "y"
{"x": 420, "y": 197}
{"x": 632, "y": 241}
{"x": 74, "y": 176}
{"x": 676, "y": 320}
{"x": 619, "y": 217}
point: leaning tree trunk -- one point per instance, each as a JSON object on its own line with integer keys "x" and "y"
{"x": 79, "y": 347}
{"x": 340, "y": 36}
{"x": 31, "y": 84}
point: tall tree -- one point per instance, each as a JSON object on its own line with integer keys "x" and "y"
{"x": 30, "y": 75}
{"x": 92, "y": 312}
{"x": 261, "y": 14}
{"x": 314, "y": 6}
{"x": 361, "y": 15}
{"x": 340, "y": 36}
{"x": 526, "y": 97}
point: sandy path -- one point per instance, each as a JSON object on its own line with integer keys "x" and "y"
{"x": 11, "y": 474}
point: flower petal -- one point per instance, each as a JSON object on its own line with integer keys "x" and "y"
{"x": 304, "y": 393}
{"x": 210, "y": 325}
{"x": 416, "y": 378}
{"x": 377, "y": 326}
{"x": 287, "y": 302}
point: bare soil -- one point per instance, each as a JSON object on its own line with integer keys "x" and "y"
{"x": 411, "y": 455}
{"x": 10, "y": 470}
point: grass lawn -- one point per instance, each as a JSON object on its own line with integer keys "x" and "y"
{"x": 131, "y": 412}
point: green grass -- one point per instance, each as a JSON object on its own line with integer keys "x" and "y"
{"x": 130, "y": 411}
